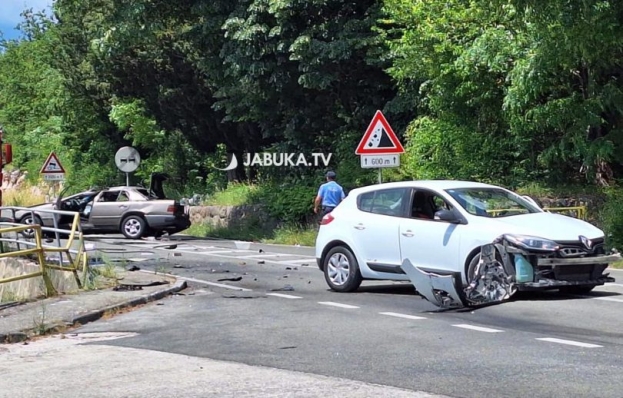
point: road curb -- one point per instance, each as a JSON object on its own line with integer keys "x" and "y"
{"x": 97, "y": 314}
{"x": 91, "y": 316}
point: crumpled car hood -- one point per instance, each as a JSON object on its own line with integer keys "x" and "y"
{"x": 550, "y": 226}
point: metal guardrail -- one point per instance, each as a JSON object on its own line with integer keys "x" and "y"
{"x": 31, "y": 237}
{"x": 576, "y": 211}
{"x": 580, "y": 211}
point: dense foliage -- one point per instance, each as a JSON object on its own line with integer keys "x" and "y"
{"x": 507, "y": 91}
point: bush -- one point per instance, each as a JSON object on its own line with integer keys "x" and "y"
{"x": 289, "y": 203}
{"x": 611, "y": 218}
{"x": 235, "y": 194}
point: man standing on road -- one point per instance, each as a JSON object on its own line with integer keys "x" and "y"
{"x": 329, "y": 195}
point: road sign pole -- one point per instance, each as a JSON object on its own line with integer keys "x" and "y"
{"x": 127, "y": 179}
{"x": 380, "y": 176}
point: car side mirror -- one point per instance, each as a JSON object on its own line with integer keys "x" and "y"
{"x": 447, "y": 215}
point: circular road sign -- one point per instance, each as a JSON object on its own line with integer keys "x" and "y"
{"x": 127, "y": 159}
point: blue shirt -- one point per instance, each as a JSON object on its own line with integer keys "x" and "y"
{"x": 331, "y": 194}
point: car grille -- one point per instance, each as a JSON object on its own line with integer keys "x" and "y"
{"x": 571, "y": 249}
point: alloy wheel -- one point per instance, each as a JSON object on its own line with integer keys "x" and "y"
{"x": 132, "y": 227}
{"x": 338, "y": 269}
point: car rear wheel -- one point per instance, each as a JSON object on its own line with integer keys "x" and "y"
{"x": 341, "y": 270}
{"x": 30, "y": 233}
{"x": 133, "y": 227}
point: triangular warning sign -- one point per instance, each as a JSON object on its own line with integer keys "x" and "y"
{"x": 379, "y": 138}
{"x": 52, "y": 165}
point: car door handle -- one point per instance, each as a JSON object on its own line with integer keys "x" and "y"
{"x": 408, "y": 233}
{"x": 123, "y": 206}
{"x": 359, "y": 226}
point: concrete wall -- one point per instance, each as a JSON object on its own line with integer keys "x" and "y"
{"x": 31, "y": 288}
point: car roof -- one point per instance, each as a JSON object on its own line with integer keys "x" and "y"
{"x": 432, "y": 184}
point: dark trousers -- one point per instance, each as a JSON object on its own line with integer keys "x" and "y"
{"x": 326, "y": 210}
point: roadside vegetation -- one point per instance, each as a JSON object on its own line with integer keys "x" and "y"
{"x": 494, "y": 91}
{"x": 23, "y": 196}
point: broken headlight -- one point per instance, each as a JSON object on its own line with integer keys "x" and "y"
{"x": 532, "y": 243}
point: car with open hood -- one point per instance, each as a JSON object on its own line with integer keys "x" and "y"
{"x": 440, "y": 228}
{"x": 134, "y": 211}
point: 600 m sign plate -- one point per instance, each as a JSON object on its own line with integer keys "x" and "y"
{"x": 377, "y": 161}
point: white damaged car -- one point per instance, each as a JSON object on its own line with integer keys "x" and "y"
{"x": 460, "y": 243}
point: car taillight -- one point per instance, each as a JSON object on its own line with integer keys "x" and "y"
{"x": 327, "y": 219}
{"x": 171, "y": 209}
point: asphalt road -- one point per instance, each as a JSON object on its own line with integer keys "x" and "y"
{"x": 279, "y": 313}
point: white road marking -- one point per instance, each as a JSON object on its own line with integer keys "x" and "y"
{"x": 614, "y": 284}
{"x": 569, "y": 342}
{"x": 337, "y": 304}
{"x": 312, "y": 260}
{"x": 283, "y": 295}
{"x": 607, "y": 299}
{"x": 204, "y": 282}
{"x": 478, "y": 328}
{"x": 268, "y": 255}
{"x": 401, "y": 315}
{"x": 305, "y": 260}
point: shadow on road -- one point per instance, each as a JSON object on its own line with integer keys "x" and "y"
{"x": 396, "y": 289}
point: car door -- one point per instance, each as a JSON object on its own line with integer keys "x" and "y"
{"x": 107, "y": 209}
{"x": 426, "y": 242}
{"x": 376, "y": 226}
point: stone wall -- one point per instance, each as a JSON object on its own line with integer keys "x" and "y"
{"x": 231, "y": 216}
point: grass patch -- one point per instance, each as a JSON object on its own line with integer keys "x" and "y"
{"x": 242, "y": 232}
{"x": 304, "y": 236}
{"x": 23, "y": 196}
{"x": 234, "y": 195}
{"x": 617, "y": 265}
{"x": 286, "y": 235}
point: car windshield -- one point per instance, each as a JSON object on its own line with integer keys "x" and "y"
{"x": 491, "y": 202}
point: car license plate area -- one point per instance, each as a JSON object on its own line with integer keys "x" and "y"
{"x": 578, "y": 272}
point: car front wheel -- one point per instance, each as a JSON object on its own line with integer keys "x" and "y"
{"x": 341, "y": 270}
{"x": 133, "y": 227}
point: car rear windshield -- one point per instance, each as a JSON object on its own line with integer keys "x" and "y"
{"x": 145, "y": 193}
{"x": 491, "y": 202}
